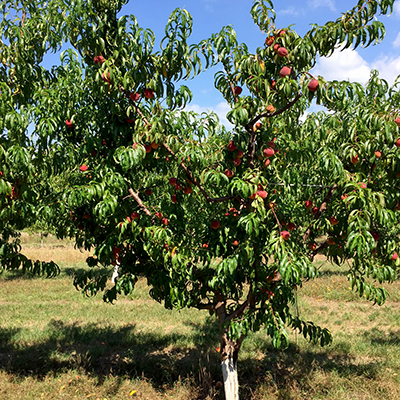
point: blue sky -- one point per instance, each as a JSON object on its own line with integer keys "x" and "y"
{"x": 210, "y": 15}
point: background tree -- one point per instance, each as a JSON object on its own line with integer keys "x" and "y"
{"x": 226, "y": 221}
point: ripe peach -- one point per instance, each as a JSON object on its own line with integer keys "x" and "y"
{"x": 308, "y": 204}
{"x": 282, "y": 52}
{"x": 262, "y": 193}
{"x": 313, "y": 85}
{"x": 354, "y": 159}
{"x": 69, "y": 124}
{"x": 285, "y": 71}
{"x": 378, "y": 154}
{"x": 269, "y": 40}
{"x": 271, "y": 109}
{"x": 215, "y": 224}
{"x": 237, "y": 90}
{"x": 134, "y": 96}
{"x": 83, "y": 168}
{"x": 397, "y": 142}
{"x": 397, "y": 121}
{"x": 376, "y": 236}
{"x": 285, "y": 235}
{"x": 269, "y": 152}
{"x": 333, "y": 220}
{"x": 229, "y": 173}
{"x": 231, "y": 146}
{"x": 99, "y": 60}
{"x": 148, "y": 93}
{"x": 237, "y": 161}
{"x": 395, "y": 256}
{"x": 257, "y": 126}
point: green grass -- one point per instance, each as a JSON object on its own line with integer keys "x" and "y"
{"x": 57, "y": 344}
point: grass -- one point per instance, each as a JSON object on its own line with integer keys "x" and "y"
{"x": 57, "y": 344}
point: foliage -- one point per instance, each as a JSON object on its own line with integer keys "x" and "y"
{"x": 227, "y": 221}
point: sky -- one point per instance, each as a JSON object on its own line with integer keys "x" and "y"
{"x": 209, "y": 16}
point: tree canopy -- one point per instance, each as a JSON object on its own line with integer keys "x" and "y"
{"x": 102, "y": 148}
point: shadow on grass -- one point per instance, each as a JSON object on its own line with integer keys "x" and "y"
{"x": 163, "y": 359}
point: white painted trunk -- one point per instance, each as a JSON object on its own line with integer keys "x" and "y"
{"x": 115, "y": 273}
{"x": 231, "y": 384}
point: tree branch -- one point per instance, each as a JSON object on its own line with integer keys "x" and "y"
{"x": 277, "y": 112}
{"x": 245, "y": 306}
{"x": 137, "y": 198}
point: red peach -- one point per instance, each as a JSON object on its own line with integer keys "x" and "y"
{"x": 134, "y": 96}
{"x": 313, "y": 85}
{"x": 229, "y": 173}
{"x": 148, "y": 93}
{"x": 285, "y": 71}
{"x": 269, "y": 152}
{"x": 99, "y": 60}
{"x": 282, "y": 52}
{"x": 269, "y": 40}
{"x": 215, "y": 224}
{"x": 231, "y": 146}
{"x": 333, "y": 220}
{"x": 308, "y": 204}
{"x": 262, "y": 193}
{"x": 237, "y": 90}
{"x": 285, "y": 235}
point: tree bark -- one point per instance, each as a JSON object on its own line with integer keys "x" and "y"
{"x": 231, "y": 383}
{"x": 229, "y": 357}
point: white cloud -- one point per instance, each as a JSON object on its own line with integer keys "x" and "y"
{"x": 209, "y": 5}
{"x": 349, "y": 65}
{"x": 388, "y": 67}
{"x": 291, "y": 11}
{"x": 221, "y": 109}
{"x": 396, "y": 42}
{"x": 342, "y": 66}
{"x": 322, "y": 3}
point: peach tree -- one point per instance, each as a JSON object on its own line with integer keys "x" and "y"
{"x": 223, "y": 220}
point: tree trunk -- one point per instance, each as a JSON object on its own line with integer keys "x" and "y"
{"x": 229, "y": 356}
{"x": 231, "y": 383}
